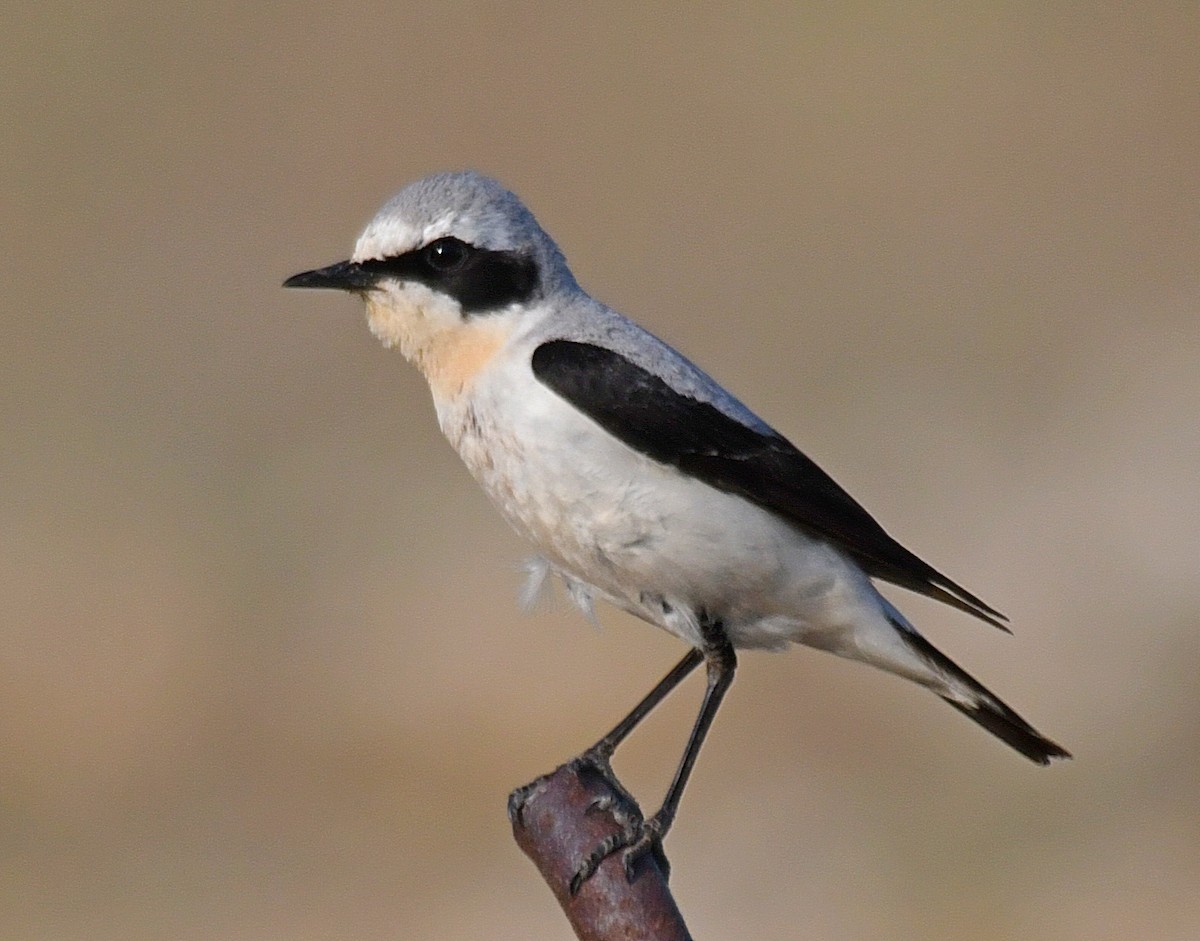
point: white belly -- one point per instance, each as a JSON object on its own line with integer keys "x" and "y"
{"x": 649, "y": 539}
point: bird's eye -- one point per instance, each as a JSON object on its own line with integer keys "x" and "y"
{"x": 447, "y": 254}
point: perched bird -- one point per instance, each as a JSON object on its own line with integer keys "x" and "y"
{"x": 639, "y": 479}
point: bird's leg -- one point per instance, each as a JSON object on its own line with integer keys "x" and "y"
{"x": 603, "y": 749}
{"x": 637, "y": 836}
{"x": 597, "y": 759}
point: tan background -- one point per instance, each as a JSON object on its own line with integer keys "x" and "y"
{"x": 262, "y": 671}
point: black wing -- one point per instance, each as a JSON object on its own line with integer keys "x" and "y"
{"x": 700, "y": 440}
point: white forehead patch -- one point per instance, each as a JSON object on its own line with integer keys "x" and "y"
{"x": 464, "y": 205}
{"x": 389, "y": 234}
{"x": 383, "y": 238}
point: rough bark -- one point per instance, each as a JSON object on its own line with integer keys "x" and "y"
{"x": 557, "y": 821}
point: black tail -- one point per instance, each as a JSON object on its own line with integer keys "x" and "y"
{"x": 987, "y": 709}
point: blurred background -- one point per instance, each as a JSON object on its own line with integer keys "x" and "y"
{"x": 263, "y": 673}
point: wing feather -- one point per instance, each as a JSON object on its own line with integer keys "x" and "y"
{"x": 701, "y": 440}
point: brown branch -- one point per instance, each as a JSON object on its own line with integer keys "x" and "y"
{"x": 557, "y": 821}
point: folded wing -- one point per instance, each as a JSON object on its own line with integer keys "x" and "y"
{"x": 701, "y": 440}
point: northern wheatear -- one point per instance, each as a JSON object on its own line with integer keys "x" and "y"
{"x": 640, "y": 480}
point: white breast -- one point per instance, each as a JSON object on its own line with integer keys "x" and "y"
{"x": 655, "y": 542}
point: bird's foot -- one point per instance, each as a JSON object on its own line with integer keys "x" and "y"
{"x": 591, "y": 764}
{"x": 520, "y": 796}
{"x": 635, "y": 840}
{"x": 637, "y": 836}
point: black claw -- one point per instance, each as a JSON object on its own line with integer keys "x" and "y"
{"x": 516, "y": 804}
{"x": 588, "y": 867}
{"x": 520, "y": 797}
{"x": 648, "y": 840}
{"x": 637, "y": 837}
{"x": 629, "y": 861}
{"x": 604, "y": 849}
{"x": 617, "y": 802}
{"x": 602, "y": 804}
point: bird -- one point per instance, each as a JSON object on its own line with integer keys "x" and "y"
{"x": 640, "y": 481}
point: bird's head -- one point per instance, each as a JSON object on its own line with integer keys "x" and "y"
{"x": 448, "y": 257}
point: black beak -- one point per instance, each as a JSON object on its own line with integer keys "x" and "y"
{"x": 344, "y": 276}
